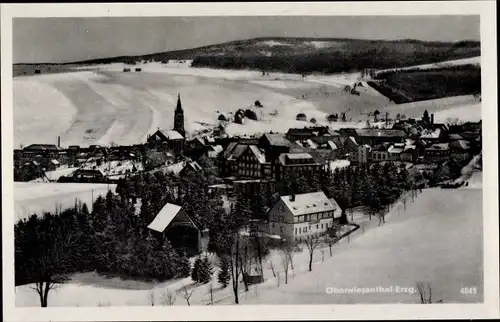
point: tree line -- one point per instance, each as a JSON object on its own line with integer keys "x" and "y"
{"x": 378, "y": 57}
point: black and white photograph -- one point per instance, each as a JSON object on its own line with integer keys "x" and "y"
{"x": 195, "y": 160}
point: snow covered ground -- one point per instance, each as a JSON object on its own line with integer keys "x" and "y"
{"x": 37, "y": 198}
{"x": 56, "y": 174}
{"x": 457, "y": 62}
{"x": 465, "y": 108}
{"x": 106, "y": 105}
{"x": 436, "y": 240}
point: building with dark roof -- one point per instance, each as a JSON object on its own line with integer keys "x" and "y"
{"x": 378, "y": 136}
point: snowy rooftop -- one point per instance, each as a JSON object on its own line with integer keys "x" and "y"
{"x": 164, "y": 217}
{"x": 258, "y": 153}
{"x": 308, "y": 203}
{"x": 379, "y": 132}
{"x": 277, "y": 139}
{"x": 296, "y": 156}
{"x": 172, "y": 135}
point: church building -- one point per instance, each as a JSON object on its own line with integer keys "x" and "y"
{"x": 172, "y": 139}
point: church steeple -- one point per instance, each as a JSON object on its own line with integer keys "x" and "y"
{"x": 178, "y": 109}
{"x": 179, "y": 117}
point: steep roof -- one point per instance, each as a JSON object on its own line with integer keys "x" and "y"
{"x": 332, "y": 145}
{"x": 237, "y": 151}
{"x": 308, "y": 203}
{"x": 276, "y": 139}
{"x": 164, "y": 217}
{"x": 258, "y": 154}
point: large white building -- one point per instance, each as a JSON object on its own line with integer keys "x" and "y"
{"x": 296, "y": 217}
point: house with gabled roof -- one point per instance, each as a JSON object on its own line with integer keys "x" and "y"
{"x": 296, "y": 217}
{"x": 173, "y": 224}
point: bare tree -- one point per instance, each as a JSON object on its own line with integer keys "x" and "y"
{"x": 312, "y": 242}
{"x": 425, "y": 293}
{"x": 285, "y": 261}
{"x": 187, "y": 293}
{"x": 47, "y": 268}
{"x": 168, "y": 298}
{"x": 270, "y": 265}
{"x": 234, "y": 264}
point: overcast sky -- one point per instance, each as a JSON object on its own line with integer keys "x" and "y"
{"x": 37, "y": 40}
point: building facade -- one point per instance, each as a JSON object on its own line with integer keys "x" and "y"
{"x": 292, "y": 164}
{"x": 297, "y": 217}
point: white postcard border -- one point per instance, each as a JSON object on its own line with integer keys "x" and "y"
{"x": 490, "y": 307}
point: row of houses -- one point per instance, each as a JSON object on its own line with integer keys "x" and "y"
{"x": 291, "y": 219}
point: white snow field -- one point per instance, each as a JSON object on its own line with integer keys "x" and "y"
{"x": 30, "y": 198}
{"x": 106, "y": 105}
{"x": 448, "y": 63}
{"x": 465, "y": 108}
{"x": 436, "y": 240}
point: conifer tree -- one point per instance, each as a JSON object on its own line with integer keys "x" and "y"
{"x": 206, "y": 270}
{"x": 223, "y": 276}
{"x": 195, "y": 272}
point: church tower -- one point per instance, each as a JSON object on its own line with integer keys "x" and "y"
{"x": 179, "y": 118}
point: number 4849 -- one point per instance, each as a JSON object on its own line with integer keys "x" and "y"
{"x": 468, "y": 290}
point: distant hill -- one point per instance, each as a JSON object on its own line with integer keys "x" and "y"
{"x": 304, "y": 55}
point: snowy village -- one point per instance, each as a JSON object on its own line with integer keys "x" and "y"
{"x": 258, "y": 171}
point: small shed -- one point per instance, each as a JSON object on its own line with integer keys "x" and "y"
{"x": 174, "y": 224}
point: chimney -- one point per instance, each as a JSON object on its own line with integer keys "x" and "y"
{"x": 432, "y": 118}
{"x": 58, "y": 141}
{"x": 292, "y": 197}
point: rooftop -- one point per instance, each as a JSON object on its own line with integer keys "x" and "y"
{"x": 439, "y": 146}
{"x": 43, "y": 147}
{"x": 380, "y": 133}
{"x": 277, "y": 139}
{"x": 172, "y": 135}
{"x": 258, "y": 153}
{"x": 164, "y": 217}
{"x": 308, "y": 203}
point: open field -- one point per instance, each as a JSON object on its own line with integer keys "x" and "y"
{"x": 436, "y": 240}
{"x": 38, "y": 198}
{"x": 104, "y": 105}
{"x": 108, "y": 106}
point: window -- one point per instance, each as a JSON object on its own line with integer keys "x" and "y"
{"x": 300, "y": 230}
{"x": 305, "y": 230}
{"x": 317, "y": 226}
{"x": 295, "y": 231}
{"x": 321, "y": 226}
